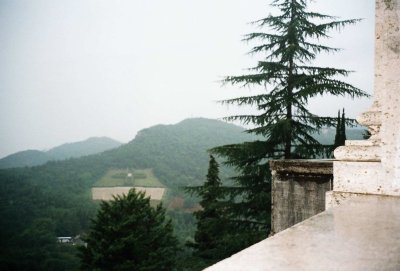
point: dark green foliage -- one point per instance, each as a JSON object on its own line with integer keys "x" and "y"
{"x": 340, "y": 136}
{"x": 28, "y": 229}
{"x": 343, "y": 129}
{"x": 210, "y": 220}
{"x": 250, "y": 196}
{"x": 128, "y": 234}
{"x": 288, "y": 130}
{"x": 231, "y": 218}
{"x": 290, "y": 80}
{"x": 338, "y": 132}
{"x": 177, "y": 153}
{"x": 60, "y": 190}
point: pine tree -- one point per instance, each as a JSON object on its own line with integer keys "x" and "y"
{"x": 343, "y": 129}
{"x": 289, "y": 81}
{"x": 338, "y": 132}
{"x": 340, "y": 136}
{"x": 232, "y": 218}
{"x": 210, "y": 219}
{"x": 248, "y": 208}
{"x": 128, "y": 234}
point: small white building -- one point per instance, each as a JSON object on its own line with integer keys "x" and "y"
{"x": 64, "y": 240}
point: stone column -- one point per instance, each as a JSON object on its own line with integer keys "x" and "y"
{"x": 373, "y": 166}
{"x": 389, "y": 57}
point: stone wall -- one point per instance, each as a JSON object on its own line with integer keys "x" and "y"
{"x": 298, "y": 190}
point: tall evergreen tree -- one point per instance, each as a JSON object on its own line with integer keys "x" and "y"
{"x": 128, "y": 234}
{"x": 338, "y": 132}
{"x": 232, "y": 218}
{"x": 288, "y": 81}
{"x": 210, "y": 219}
{"x": 343, "y": 129}
{"x": 248, "y": 208}
{"x": 340, "y": 136}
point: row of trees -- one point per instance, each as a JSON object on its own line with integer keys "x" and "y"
{"x": 340, "y": 136}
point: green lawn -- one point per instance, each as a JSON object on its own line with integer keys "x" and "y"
{"x": 129, "y": 177}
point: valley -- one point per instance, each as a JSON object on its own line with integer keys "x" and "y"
{"x": 56, "y": 198}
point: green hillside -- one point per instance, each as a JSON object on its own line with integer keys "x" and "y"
{"x": 28, "y": 158}
{"x": 54, "y": 199}
{"x": 89, "y": 146}
{"x": 177, "y": 153}
{"x": 31, "y": 158}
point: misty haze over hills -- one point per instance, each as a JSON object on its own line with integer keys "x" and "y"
{"x": 30, "y": 158}
{"x": 96, "y": 145}
{"x": 60, "y": 191}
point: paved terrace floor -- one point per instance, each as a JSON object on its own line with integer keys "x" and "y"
{"x": 361, "y": 234}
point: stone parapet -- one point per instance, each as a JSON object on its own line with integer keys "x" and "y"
{"x": 302, "y": 166}
{"x": 298, "y": 190}
{"x": 351, "y": 152}
{"x": 360, "y": 177}
{"x": 362, "y": 234}
{"x": 334, "y": 199}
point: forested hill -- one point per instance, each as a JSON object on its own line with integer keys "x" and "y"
{"x": 90, "y": 146}
{"x": 31, "y": 158}
{"x": 59, "y": 191}
{"x": 177, "y": 153}
{"x": 39, "y": 203}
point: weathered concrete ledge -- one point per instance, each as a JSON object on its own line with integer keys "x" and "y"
{"x": 299, "y": 166}
{"x": 362, "y": 234}
{"x": 298, "y": 190}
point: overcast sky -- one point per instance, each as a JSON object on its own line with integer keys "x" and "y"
{"x": 73, "y": 69}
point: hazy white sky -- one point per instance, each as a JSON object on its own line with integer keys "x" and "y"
{"x": 72, "y": 69}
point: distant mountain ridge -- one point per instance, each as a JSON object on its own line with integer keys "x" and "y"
{"x": 148, "y": 146}
{"x": 54, "y": 199}
{"x": 59, "y": 191}
{"x": 86, "y": 147}
{"x": 178, "y": 152}
{"x": 327, "y": 135}
{"x": 89, "y": 146}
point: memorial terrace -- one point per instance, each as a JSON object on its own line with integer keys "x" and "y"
{"x": 360, "y": 228}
